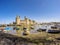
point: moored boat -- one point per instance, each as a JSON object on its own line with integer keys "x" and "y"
{"x": 41, "y": 29}
{"x": 53, "y": 31}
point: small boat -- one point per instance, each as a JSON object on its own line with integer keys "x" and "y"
{"x": 17, "y": 28}
{"x": 25, "y": 31}
{"x": 8, "y": 28}
{"x": 32, "y": 27}
{"x": 53, "y": 31}
{"x": 41, "y": 29}
{"x": 14, "y": 28}
{"x": 24, "y": 28}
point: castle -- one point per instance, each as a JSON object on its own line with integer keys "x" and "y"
{"x": 26, "y": 22}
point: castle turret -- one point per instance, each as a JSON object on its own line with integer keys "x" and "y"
{"x": 18, "y": 20}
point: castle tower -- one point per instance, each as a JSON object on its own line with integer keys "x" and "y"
{"x": 18, "y": 20}
{"x": 26, "y": 20}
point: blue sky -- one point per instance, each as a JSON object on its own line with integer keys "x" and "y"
{"x": 39, "y": 10}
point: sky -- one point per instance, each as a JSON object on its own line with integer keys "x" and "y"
{"x": 38, "y": 10}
